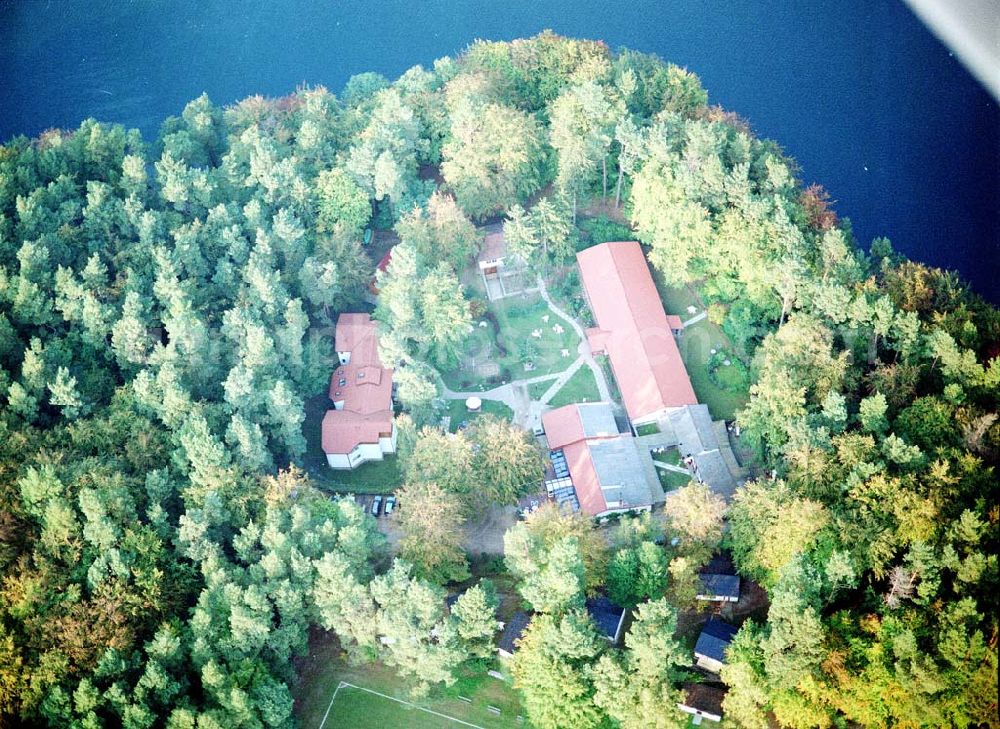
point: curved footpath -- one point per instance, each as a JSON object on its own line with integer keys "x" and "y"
{"x": 528, "y": 412}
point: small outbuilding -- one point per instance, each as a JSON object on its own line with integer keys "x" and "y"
{"x": 513, "y": 629}
{"x": 702, "y": 702}
{"x": 719, "y": 581}
{"x": 710, "y": 650}
{"x": 607, "y": 616}
{"x": 719, "y": 588}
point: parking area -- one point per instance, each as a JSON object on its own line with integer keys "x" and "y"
{"x": 387, "y": 504}
{"x": 483, "y": 532}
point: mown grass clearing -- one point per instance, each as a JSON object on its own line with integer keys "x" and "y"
{"x": 324, "y": 669}
{"x": 696, "y": 345}
{"x": 581, "y": 387}
{"x": 671, "y": 456}
{"x": 529, "y": 333}
{"x": 647, "y": 429}
{"x": 671, "y": 480}
{"x": 354, "y": 706}
{"x": 460, "y": 415}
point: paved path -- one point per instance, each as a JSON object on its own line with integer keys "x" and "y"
{"x": 584, "y": 349}
{"x": 695, "y": 319}
{"x": 656, "y": 440}
{"x": 528, "y": 412}
{"x": 670, "y": 467}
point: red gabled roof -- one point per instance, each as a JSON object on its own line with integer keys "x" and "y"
{"x": 562, "y": 426}
{"x": 565, "y": 429}
{"x": 633, "y": 329}
{"x": 364, "y": 386}
{"x": 356, "y": 332}
{"x": 585, "y": 481}
{"x": 384, "y": 262}
{"x": 343, "y": 430}
{"x": 365, "y": 389}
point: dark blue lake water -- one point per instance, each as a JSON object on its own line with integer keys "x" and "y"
{"x": 858, "y": 91}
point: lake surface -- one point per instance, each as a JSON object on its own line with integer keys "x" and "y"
{"x": 858, "y": 91}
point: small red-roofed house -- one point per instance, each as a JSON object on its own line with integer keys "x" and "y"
{"x": 360, "y": 427}
{"x": 634, "y": 331}
{"x": 382, "y": 266}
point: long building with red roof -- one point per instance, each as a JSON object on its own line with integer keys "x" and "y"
{"x": 360, "y": 426}
{"x": 634, "y": 331}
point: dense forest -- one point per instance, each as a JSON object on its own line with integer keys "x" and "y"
{"x": 166, "y": 309}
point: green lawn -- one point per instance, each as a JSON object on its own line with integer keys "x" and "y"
{"x": 581, "y": 387}
{"x": 374, "y": 477}
{"x": 460, "y": 414}
{"x": 356, "y": 707}
{"x": 671, "y": 480}
{"x": 517, "y": 318}
{"x": 671, "y": 456}
{"x": 696, "y": 345}
{"x": 324, "y": 669}
{"x": 647, "y": 429}
{"x": 537, "y": 389}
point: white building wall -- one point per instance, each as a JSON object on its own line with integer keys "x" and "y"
{"x": 709, "y": 664}
{"x": 388, "y": 445}
{"x": 364, "y": 452}
{"x": 338, "y": 460}
{"x": 716, "y": 598}
{"x": 698, "y": 712}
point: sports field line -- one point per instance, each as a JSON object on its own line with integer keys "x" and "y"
{"x": 342, "y": 684}
{"x": 332, "y": 698}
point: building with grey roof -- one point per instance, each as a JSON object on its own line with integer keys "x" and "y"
{"x": 696, "y": 439}
{"x": 719, "y": 588}
{"x": 513, "y": 629}
{"x": 619, "y": 471}
{"x": 710, "y": 650}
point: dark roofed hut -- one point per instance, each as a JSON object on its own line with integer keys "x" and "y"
{"x": 702, "y": 702}
{"x": 719, "y": 581}
{"x": 512, "y": 631}
{"x": 710, "y": 650}
{"x": 719, "y": 588}
{"x": 607, "y": 616}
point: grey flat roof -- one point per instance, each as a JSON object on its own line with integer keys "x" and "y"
{"x": 620, "y": 472}
{"x": 696, "y": 438}
{"x": 597, "y": 418}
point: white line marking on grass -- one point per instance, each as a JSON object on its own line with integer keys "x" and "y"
{"x": 393, "y": 698}
{"x": 332, "y": 699}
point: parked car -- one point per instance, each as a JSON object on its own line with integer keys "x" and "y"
{"x": 376, "y": 505}
{"x": 390, "y": 504}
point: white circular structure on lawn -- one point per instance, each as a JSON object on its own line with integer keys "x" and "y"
{"x": 473, "y": 404}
